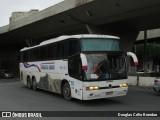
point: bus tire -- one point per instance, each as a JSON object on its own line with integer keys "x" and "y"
{"x": 34, "y": 84}
{"x": 66, "y": 91}
{"x": 29, "y": 83}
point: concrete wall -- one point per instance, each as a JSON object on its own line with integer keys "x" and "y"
{"x": 21, "y": 15}
{"x": 143, "y": 81}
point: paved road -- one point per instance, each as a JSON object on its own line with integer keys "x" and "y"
{"x": 16, "y": 97}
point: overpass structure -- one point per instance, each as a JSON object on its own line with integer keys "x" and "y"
{"x": 123, "y": 18}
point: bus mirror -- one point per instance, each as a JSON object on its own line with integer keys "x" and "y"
{"x": 134, "y": 57}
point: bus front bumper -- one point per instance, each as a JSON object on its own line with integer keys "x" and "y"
{"x": 104, "y": 93}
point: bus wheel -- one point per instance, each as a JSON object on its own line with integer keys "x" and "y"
{"x": 29, "y": 83}
{"x": 67, "y": 91}
{"x": 34, "y": 84}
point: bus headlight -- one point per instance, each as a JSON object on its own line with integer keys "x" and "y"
{"x": 92, "y": 88}
{"x": 123, "y": 85}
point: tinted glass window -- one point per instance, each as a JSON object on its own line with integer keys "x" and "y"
{"x": 75, "y": 67}
{"x": 27, "y": 55}
{"x": 61, "y": 51}
{"x": 43, "y": 53}
{"x": 52, "y": 51}
{"x": 35, "y": 54}
{"x": 74, "y": 47}
{"x": 97, "y": 44}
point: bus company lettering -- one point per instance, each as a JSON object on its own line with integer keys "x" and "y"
{"x": 47, "y": 66}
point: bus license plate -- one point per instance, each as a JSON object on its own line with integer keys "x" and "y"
{"x": 109, "y": 93}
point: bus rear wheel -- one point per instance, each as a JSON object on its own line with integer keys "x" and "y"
{"x": 67, "y": 91}
{"x": 29, "y": 83}
{"x": 34, "y": 84}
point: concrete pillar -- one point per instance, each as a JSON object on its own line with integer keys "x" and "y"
{"x": 145, "y": 51}
{"x": 29, "y": 42}
{"x": 128, "y": 38}
{"x": 91, "y": 29}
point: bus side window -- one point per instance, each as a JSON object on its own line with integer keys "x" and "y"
{"x": 26, "y": 56}
{"x": 42, "y": 55}
{"x": 52, "y": 51}
{"x": 74, "y": 47}
{"x": 35, "y": 54}
{"x": 60, "y": 47}
{"x": 75, "y": 68}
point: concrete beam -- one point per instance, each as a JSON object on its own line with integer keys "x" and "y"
{"x": 48, "y": 12}
{"x": 155, "y": 33}
{"x": 106, "y": 15}
{"x": 4, "y": 29}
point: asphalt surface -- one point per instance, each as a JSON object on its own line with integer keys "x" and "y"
{"x": 14, "y": 96}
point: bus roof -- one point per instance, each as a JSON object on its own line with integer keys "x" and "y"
{"x": 70, "y": 36}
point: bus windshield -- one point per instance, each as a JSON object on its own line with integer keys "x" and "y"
{"x": 103, "y": 66}
{"x": 100, "y": 44}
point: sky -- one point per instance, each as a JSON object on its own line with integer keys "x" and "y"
{"x": 9, "y": 6}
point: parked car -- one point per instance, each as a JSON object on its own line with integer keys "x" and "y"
{"x": 6, "y": 74}
{"x": 156, "y": 86}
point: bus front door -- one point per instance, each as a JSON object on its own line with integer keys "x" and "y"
{"x": 75, "y": 73}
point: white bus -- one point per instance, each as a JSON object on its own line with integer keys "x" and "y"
{"x": 84, "y": 67}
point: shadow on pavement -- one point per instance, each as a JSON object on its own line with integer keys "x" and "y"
{"x": 9, "y": 80}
